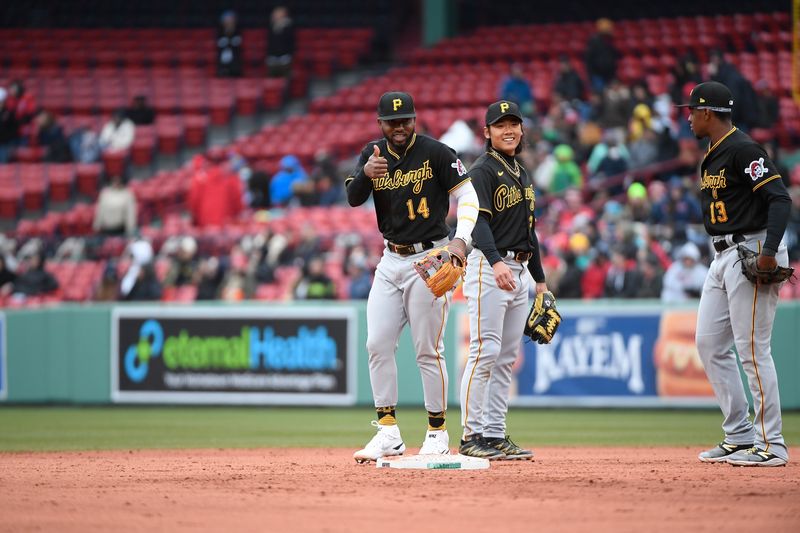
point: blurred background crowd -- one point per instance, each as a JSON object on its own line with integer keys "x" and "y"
{"x": 177, "y": 172}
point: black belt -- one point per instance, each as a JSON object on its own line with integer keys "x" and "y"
{"x": 723, "y": 244}
{"x": 520, "y": 257}
{"x": 409, "y": 249}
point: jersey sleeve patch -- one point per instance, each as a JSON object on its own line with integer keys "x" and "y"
{"x": 756, "y": 169}
{"x": 459, "y": 166}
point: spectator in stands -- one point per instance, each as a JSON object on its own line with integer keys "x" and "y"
{"x": 141, "y": 113}
{"x": 34, "y": 279}
{"x": 215, "y": 195}
{"x": 638, "y": 207}
{"x": 326, "y": 190}
{"x": 642, "y": 139}
{"x": 640, "y": 94}
{"x": 516, "y": 88}
{"x": 183, "y": 265}
{"x": 24, "y": 106}
{"x": 229, "y": 46}
{"x": 601, "y": 56}
{"x": 118, "y": 133}
{"x": 594, "y": 277}
{"x": 209, "y": 278}
{"x": 115, "y": 212}
{"x": 50, "y": 135}
{"x": 315, "y": 284}
{"x": 84, "y": 144}
{"x": 569, "y": 285}
{"x": 237, "y": 285}
{"x": 652, "y": 278}
{"x": 644, "y": 150}
{"x": 685, "y": 75}
{"x": 564, "y": 172}
{"x": 280, "y": 43}
{"x": 7, "y": 278}
{"x": 568, "y": 85}
{"x": 140, "y": 282}
{"x": 615, "y": 105}
{"x": 685, "y": 277}
{"x": 280, "y": 188}
{"x": 679, "y": 209}
{"x": 108, "y": 291}
{"x": 268, "y": 251}
{"x": 768, "y": 112}
{"x": 622, "y": 281}
{"x": 9, "y": 128}
{"x": 258, "y": 188}
{"x": 308, "y": 245}
{"x": 360, "y": 281}
{"x": 745, "y": 107}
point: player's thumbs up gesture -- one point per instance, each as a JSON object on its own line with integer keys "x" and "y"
{"x": 376, "y": 165}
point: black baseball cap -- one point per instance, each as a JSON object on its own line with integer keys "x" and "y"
{"x": 501, "y": 109}
{"x": 395, "y": 104}
{"x": 710, "y": 95}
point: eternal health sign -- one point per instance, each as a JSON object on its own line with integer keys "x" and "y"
{"x": 300, "y": 355}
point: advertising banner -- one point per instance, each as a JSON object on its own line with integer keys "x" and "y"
{"x": 610, "y": 356}
{"x": 280, "y": 356}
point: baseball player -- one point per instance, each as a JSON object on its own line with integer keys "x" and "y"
{"x": 745, "y": 203}
{"x": 497, "y": 283}
{"x": 411, "y": 178}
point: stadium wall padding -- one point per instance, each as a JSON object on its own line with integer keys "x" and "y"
{"x": 62, "y": 354}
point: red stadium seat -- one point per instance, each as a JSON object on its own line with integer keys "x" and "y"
{"x": 88, "y": 178}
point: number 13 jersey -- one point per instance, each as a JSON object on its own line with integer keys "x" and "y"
{"x": 737, "y": 178}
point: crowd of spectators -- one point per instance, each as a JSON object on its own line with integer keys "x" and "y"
{"x": 614, "y": 167}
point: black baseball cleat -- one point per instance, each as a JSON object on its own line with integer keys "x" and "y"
{"x": 512, "y": 451}
{"x": 476, "y": 446}
{"x": 721, "y": 452}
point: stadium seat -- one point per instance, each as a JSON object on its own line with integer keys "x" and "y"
{"x": 88, "y": 178}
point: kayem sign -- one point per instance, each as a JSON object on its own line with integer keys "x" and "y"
{"x": 282, "y": 356}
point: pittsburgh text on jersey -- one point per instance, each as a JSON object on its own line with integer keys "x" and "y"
{"x": 402, "y": 179}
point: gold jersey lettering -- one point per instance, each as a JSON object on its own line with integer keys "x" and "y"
{"x": 401, "y": 179}
{"x": 710, "y": 181}
{"x": 506, "y": 197}
{"x": 531, "y": 197}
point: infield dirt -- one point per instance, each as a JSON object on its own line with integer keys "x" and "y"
{"x": 304, "y": 490}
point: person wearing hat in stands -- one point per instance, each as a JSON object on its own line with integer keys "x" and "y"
{"x": 411, "y": 178}
{"x": 229, "y": 46}
{"x": 745, "y": 203}
{"x": 684, "y": 279}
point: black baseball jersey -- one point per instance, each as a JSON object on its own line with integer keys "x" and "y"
{"x": 507, "y": 199}
{"x": 412, "y": 200}
{"x": 738, "y": 182}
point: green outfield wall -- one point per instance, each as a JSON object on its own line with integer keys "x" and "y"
{"x": 63, "y": 354}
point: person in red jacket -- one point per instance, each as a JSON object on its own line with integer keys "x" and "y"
{"x": 594, "y": 278}
{"x": 215, "y": 196}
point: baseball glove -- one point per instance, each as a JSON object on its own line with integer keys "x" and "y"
{"x": 749, "y": 260}
{"x": 543, "y": 319}
{"x": 443, "y": 268}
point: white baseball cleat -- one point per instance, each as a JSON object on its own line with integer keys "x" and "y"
{"x": 436, "y": 442}
{"x": 386, "y": 442}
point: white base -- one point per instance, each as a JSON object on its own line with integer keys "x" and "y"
{"x": 433, "y": 462}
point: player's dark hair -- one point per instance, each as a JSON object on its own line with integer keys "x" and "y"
{"x": 723, "y": 116}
